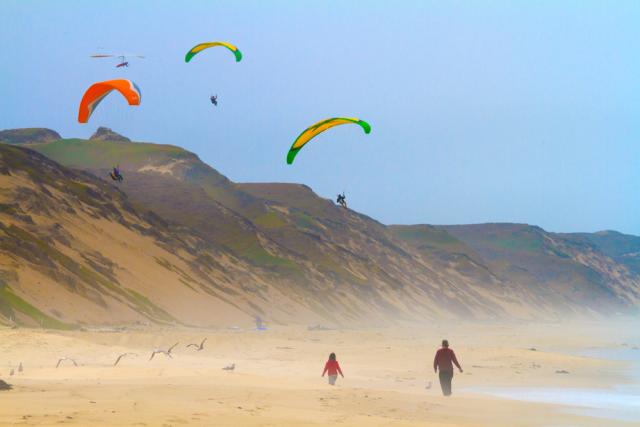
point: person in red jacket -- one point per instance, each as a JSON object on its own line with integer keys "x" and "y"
{"x": 332, "y": 367}
{"x": 444, "y": 361}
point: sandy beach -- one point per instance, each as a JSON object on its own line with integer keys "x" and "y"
{"x": 277, "y": 380}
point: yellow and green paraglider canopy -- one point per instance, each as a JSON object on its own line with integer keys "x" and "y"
{"x": 309, "y": 133}
{"x": 202, "y": 46}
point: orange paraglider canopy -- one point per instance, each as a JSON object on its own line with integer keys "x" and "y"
{"x": 98, "y": 91}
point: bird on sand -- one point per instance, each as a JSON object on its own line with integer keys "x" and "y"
{"x": 198, "y": 347}
{"x": 20, "y": 367}
{"x": 66, "y": 358}
{"x": 123, "y": 355}
{"x": 229, "y": 367}
{"x": 165, "y": 352}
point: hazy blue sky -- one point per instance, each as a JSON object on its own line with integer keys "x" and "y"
{"x": 481, "y": 110}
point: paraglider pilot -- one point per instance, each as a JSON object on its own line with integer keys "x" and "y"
{"x": 116, "y": 175}
{"x": 342, "y": 200}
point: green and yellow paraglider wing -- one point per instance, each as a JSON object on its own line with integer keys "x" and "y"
{"x": 202, "y": 46}
{"x": 312, "y": 131}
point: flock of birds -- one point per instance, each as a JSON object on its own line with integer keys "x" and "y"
{"x": 166, "y": 352}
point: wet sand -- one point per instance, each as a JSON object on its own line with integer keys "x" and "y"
{"x": 277, "y": 377}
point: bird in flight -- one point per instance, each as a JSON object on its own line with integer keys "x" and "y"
{"x": 165, "y": 352}
{"x": 66, "y": 358}
{"x": 198, "y": 347}
{"x": 123, "y": 355}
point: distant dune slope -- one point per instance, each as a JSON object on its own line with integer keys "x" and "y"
{"x": 280, "y": 251}
{"x": 568, "y": 267}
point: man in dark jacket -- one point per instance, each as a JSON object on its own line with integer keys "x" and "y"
{"x": 444, "y": 361}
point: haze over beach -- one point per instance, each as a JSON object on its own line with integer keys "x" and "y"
{"x": 173, "y": 252}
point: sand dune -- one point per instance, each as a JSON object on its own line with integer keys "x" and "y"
{"x": 192, "y": 248}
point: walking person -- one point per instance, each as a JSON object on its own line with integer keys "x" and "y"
{"x": 332, "y": 367}
{"x": 443, "y": 361}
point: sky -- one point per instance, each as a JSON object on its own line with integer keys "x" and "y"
{"x": 481, "y": 111}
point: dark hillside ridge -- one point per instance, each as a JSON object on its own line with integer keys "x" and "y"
{"x": 28, "y": 136}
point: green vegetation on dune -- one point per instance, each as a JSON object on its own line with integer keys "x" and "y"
{"x": 252, "y": 251}
{"x": 269, "y": 220}
{"x": 613, "y": 243}
{"x": 623, "y": 248}
{"x": 32, "y": 247}
{"x": 8, "y": 209}
{"x": 517, "y": 243}
{"x": 259, "y": 256}
{"x": 10, "y": 303}
{"x": 429, "y": 238}
{"x": 296, "y": 196}
{"x": 146, "y": 307}
{"x": 87, "y": 154}
{"x": 304, "y": 220}
{"x": 18, "y": 159}
{"x": 164, "y": 263}
{"x": 35, "y": 249}
{"x": 421, "y": 234}
{"x": 510, "y": 238}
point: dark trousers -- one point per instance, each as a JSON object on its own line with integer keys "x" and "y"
{"x": 445, "y": 382}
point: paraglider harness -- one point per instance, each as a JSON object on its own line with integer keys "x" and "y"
{"x": 342, "y": 200}
{"x": 214, "y": 100}
{"x": 116, "y": 175}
